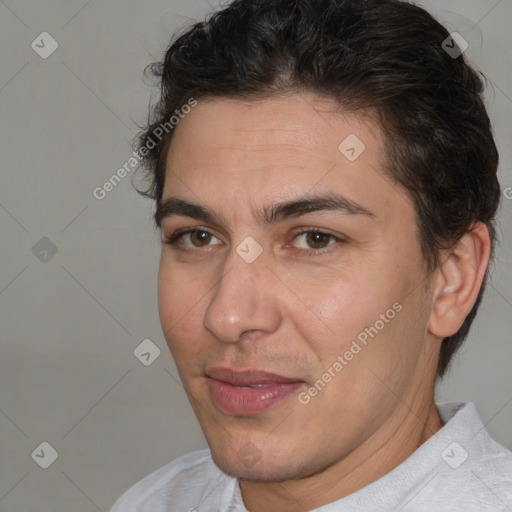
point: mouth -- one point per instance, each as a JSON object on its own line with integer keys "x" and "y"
{"x": 248, "y": 392}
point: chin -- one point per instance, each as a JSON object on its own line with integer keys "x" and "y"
{"x": 260, "y": 472}
{"x": 251, "y": 463}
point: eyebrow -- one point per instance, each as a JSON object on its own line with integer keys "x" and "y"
{"x": 271, "y": 214}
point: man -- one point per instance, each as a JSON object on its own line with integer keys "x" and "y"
{"x": 326, "y": 195}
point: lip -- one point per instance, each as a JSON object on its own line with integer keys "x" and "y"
{"x": 230, "y": 390}
{"x": 246, "y": 377}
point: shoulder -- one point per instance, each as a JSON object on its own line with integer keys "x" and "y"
{"x": 473, "y": 477}
{"x": 490, "y": 468}
{"x": 475, "y": 472}
{"x": 472, "y": 445}
{"x": 186, "y": 478}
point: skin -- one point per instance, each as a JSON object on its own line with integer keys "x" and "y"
{"x": 294, "y": 309}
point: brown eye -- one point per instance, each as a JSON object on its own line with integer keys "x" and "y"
{"x": 198, "y": 238}
{"x": 315, "y": 239}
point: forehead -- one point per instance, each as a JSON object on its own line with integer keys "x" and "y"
{"x": 305, "y": 122}
{"x": 228, "y": 153}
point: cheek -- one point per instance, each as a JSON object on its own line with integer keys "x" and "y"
{"x": 340, "y": 306}
{"x": 181, "y": 300}
{"x": 168, "y": 306}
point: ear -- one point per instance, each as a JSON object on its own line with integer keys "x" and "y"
{"x": 458, "y": 281}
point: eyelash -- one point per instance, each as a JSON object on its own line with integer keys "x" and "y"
{"x": 173, "y": 240}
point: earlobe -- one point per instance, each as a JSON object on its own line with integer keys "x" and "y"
{"x": 458, "y": 281}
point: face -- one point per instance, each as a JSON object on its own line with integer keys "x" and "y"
{"x": 299, "y": 331}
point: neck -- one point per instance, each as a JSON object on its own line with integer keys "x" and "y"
{"x": 404, "y": 431}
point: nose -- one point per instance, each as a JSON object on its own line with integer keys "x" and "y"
{"x": 245, "y": 299}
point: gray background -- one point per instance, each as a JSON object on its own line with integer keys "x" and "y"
{"x": 70, "y": 321}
